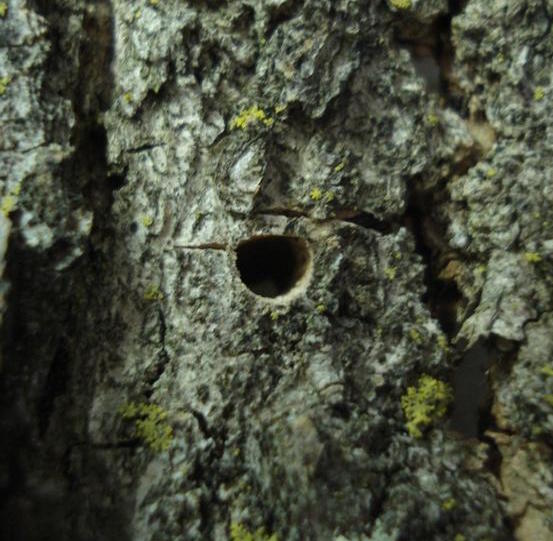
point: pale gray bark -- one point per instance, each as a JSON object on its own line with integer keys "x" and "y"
{"x": 390, "y": 163}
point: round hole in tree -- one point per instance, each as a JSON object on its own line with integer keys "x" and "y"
{"x": 272, "y": 265}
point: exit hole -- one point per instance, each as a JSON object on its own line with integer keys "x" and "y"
{"x": 271, "y": 266}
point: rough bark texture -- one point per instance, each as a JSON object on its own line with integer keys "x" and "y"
{"x": 251, "y": 250}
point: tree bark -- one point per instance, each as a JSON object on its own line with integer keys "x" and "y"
{"x": 276, "y": 269}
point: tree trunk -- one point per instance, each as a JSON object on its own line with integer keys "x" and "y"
{"x": 276, "y": 269}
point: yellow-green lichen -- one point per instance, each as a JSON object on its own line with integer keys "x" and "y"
{"x": 481, "y": 269}
{"x": 539, "y": 93}
{"x": 549, "y": 399}
{"x": 329, "y": 196}
{"x": 442, "y": 343}
{"x": 274, "y": 315}
{"x": 547, "y": 371}
{"x": 4, "y": 83}
{"x": 415, "y": 335}
{"x": 390, "y": 273}
{"x": 321, "y": 308}
{"x": 401, "y": 4}
{"x": 459, "y": 537}
{"x": 147, "y": 220}
{"x": 424, "y": 404}
{"x": 491, "y": 172}
{"x": 280, "y": 108}
{"x": 532, "y": 257}
{"x": 153, "y": 293}
{"x": 432, "y": 119}
{"x": 340, "y": 166}
{"x": 248, "y": 117}
{"x": 3, "y": 9}
{"x": 449, "y": 504}
{"x": 238, "y": 532}
{"x": 316, "y": 194}
{"x": 150, "y": 424}
{"x": 8, "y": 204}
